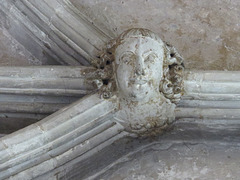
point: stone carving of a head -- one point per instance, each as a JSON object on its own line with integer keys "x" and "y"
{"x": 144, "y": 66}
{"x": 138, "y": 64}
{"x": 146, "y": 74}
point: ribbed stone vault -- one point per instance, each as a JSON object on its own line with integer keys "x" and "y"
{"x": 69, "y": 131}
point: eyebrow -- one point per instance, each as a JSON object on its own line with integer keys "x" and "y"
{"x": 149, "y": 52}
{"x": 124, "y": 54}
{"x": 127, "y": 52}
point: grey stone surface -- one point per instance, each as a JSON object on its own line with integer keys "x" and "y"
{"x": 191, "y": 151}
{"x": 54, "y": 31}
{"x": 203, "y": 148}
{"x": 206, "y": 33}
{"x": 208, "y": 94}
{"x": 12, "y": 53}
{"x": 28, "y": 94}
{"x": 44, "y": 149}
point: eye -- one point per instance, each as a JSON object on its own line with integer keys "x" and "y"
{"x": 126, "y": 57}
{"x": 150, "y": 58}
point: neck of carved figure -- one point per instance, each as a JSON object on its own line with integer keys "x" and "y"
{"x": 143, "y": 117}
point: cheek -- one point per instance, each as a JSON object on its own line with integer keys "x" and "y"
{"x": 124, "y": 71}
{"x": 122, "y": 74}
{"x": 155, "y": 71}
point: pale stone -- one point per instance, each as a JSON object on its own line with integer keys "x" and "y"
{"x": 89, "y": 124}
{"x": 206, "y": 33}
{"x": 53, "y": 146}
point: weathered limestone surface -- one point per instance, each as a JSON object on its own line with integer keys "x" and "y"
{"x": 12, "y": 53}
{"x": 45, "y": 84}
{"x": 73, "y": 133}
{"x": 137, "y": 106}
{"x": 54, "y": 31}
{"x": 208, "y": 94}
{"x": 200, "y": 149}
{"x": 211, "y": 97}
{"x": 28, "y": 94}
{"x": 48, "y": 80}
{"x": 206, "y": 33}
{"x": 54, "y": 146}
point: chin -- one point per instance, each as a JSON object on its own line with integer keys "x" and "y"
{"x": 136, "y": 92}
{"x": 138, "y": 95}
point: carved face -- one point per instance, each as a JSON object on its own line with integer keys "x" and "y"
{"x": 138, "y": 65}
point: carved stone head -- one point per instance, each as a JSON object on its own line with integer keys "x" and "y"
{"x": 148, "y": 74}
{"x": 138, "y": 64}
{"x": 143, "y": 67}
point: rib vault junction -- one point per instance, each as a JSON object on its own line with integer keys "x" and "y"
{"x": 86, "y": 102}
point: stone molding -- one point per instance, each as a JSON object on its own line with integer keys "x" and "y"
{"x": 76, "y": 131}
{"x": 28, "y": 94}
{"x": 59, "y": 31}
{"x": 208, "y": 94}
{"x": 199, "y": 103}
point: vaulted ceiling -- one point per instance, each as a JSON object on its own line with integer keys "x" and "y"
{"x": 73, "y": 34}
{"x": 205, "y": 33}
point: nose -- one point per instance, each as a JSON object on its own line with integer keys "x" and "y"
{"x": 139, "y": 70}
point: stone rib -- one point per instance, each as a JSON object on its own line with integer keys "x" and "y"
{"x": 34, "y": 92}
{"x": 61, "y": 137}
{"x": 44, "y": 90}
{"x": 57, "y": 28}
{"x": 210, "y": 95}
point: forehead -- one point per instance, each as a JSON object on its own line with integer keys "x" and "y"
{"x": 140, "y": 44}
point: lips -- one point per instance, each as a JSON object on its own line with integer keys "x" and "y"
{"x": 138, "y": 81}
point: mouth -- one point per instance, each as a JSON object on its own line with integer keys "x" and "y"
{"x": 138, "y": 81}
